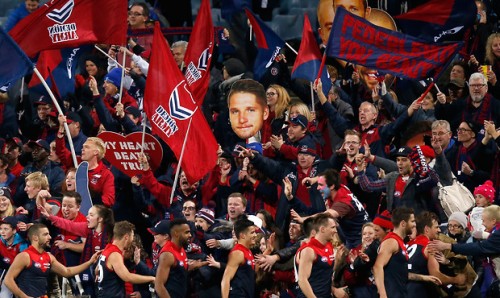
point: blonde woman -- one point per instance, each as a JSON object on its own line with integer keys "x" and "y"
{"x": 278, "y": 100}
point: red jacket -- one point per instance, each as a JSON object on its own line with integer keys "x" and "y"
{"x": 102, "y": 182}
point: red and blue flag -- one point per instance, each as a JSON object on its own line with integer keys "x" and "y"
{"x": 438, "y": 20}
{"x": 269, "y": 45}
{"x": 308, "y": 62}
{"x": 358, "y": 41}
{"x": 58, "y": 68}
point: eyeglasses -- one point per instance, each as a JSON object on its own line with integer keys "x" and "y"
{"x": 462, "y": 130}
{"x": 440, "y": 133}
{"x": 270, "y": 94}
{"x": 455, "y": 227}
{"x": 473, "y": 86}
{"x": 188, "y": 208}
{"x": 135, "y": 14}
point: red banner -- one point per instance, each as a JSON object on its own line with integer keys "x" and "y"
{"x": 170, "y": 107}
{"x": 69, "y": 23}
{"x": 199, "y": 53}
{"x": 123, "y": 151}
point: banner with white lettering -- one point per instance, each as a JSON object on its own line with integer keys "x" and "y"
{"x": 123, "y": 151}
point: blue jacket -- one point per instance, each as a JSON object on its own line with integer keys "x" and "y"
{"x": 15, "y": 16}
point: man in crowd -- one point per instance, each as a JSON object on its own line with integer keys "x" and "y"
{"x": 101, "y": 180}
{"x": 178, "y": 49}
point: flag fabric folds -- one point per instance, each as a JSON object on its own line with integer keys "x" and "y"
{"x": 438, "y": 20}
{"x": 269, "y": 45}
{"x": 14, "y": 62}
{"x": 70, "y": 23}
{"x": 170, "y": 107}
{"x": 360, "y": 42}
{"x": 61, "y": 66}
{"x": 199, "y": 53}
{"x": 308, "y": 60}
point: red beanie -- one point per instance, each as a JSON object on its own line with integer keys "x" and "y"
{"x": 487, "y": 190}
{"x": 384, "y": 220}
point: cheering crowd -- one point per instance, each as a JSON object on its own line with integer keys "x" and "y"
{"x": 376, "y": 187}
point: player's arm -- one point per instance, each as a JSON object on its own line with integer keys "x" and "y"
{"x": 433, "y": 267}
{"x": 305, "y": 265}
{"x": 166, "y": 261}
{"x": 115, "y": 262}
{"x": 64, "y": 271}
{"x": 235, "y": 259}
{"x": 21, "y": 261}
{"x": 386, "y": 250}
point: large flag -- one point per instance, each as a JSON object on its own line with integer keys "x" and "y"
{"x": 57, "y": 67}
{"x": 14, "y": 62}
{"x": 438, "y": 20}
{"x": 170, "y": 106}
{"x": 358, "y": 41}
{"x": 199, "y": 53}
{"x": 308, "y": 60}
{"x": 269, "y": 45}
{"x": 71, "y": 23}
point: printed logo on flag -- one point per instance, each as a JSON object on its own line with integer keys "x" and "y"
{"x": 275, "y": 54}
{"x": 61, "y": 32}
{"x": 165, "y": 119}
{"x": 193, "y": 72}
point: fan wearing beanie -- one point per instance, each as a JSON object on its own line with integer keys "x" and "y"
{"x": 484, "y": 194}
{"x": 112, "y": 83}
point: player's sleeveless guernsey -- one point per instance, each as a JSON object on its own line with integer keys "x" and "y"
{"x": 396, "y": 271}
{"x": 322, "y": 268}
{"x": 243, "y": 282}
{"x": 418, "y": 264}
{"x": 177, "y": 278}
{"x": 109, "y": 283}
{"x": 33, "y": 279}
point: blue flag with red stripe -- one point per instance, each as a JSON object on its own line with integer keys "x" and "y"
{"x": 269, "y": 45}
{"x": 308, "y": 60}
{"x": 358, "y": 41}
{"x": 438, "y": 20}
{"x": 14, "y": 61}
{"x": 58, "y": 68}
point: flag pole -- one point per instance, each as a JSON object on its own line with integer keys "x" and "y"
{"x": 143, "y": 131}
{"x": 312, "y": 95}
{"x": 290, "y": 47}
{"x": 250, "y": 32}
{"x": 180, "y": 161}
{"x": 107, "y": 55}
{"x": 56, "y": 104}
{"x": 123, "y": 76}
{"x": 22, "y": 88}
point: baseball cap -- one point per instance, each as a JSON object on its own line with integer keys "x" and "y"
{"x": 43, "y": 100}
{"x": 16, "y": 141}
{"x": 39, "y": 143}
{"x": 161, "y": 228}
{"x": 11, "y": 220}
{"x": 403, "y": 152}
{"x": 73, "y": 117}
{"x": 298, "y": 120}
{"x": 305, "y": 149}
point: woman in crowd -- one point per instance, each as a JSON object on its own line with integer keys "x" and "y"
{"x": 277, "y": 100}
